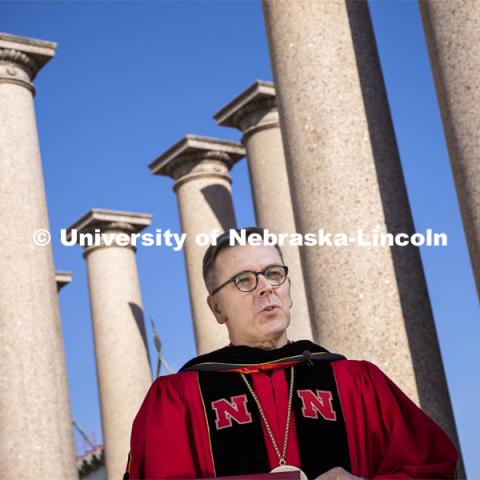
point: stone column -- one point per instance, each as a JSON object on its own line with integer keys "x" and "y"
{"x": 62, "y": 279}
{"x": 36, "y": 438}
{"x": 453, "y": 36}
{"x": 123, "y": 366}
{"x": 345, "y": 174}
{"x": 200, "y": 167}
{"x": 254, "y": 112}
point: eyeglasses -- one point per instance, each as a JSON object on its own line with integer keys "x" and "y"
{"x": 248, "y": 281}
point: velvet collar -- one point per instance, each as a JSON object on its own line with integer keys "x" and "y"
{"x": 250, "y": 359}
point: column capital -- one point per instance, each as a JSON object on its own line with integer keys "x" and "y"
{"x": 62, "y": 279}
{"x": 197, "y": 156}
{"x": 21, "y": 58}
{"x": 98, "y": 221}
{"x": 253, "y": 109}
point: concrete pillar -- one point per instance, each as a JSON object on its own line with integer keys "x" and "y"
{"x": 345, "y": 174}
{"x": 123, "y": 366}
{"x": 453, "y": 36}
{"x": 62, "y": 279}
{"x": 36, "y": 438}
{"x": 200, "y": 167}
{"x": 254, "y": 112}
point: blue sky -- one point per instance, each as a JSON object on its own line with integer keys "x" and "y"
{"x": 129, "y": 79}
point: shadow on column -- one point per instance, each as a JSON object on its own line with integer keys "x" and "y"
{"x": 219, "y": 200}
{"x": 137, "y": 313}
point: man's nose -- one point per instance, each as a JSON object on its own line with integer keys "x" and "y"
{"x": 264, "y": 286}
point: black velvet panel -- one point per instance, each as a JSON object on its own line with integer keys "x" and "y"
{"x": 322, "y": 443}
{"x": 239, "y": 449}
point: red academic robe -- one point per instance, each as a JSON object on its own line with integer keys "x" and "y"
{"x": 388, "y": 435}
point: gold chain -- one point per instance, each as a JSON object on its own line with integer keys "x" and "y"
{"x": 281, "y": 457}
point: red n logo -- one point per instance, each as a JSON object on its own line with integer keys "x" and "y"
{"x": 236, "y": 409}
{"x": 321, "y": 403}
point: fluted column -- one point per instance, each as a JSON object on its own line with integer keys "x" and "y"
{"x": 453, "y": 38}
{"x": 36, "y": 438}
{"x": 200, "y": 167}
{"x": 123, "y": 366}
{"x": 345, "y": 174}
{"x": 254, "y": 112}
{"x": 62, "y": 279}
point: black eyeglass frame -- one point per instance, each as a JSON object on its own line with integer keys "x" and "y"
{"x": 233, "y": 279}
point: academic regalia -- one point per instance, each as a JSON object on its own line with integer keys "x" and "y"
{"x": 203, "y": 422}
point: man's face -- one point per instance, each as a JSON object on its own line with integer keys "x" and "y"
{"x": 244, "y": 313}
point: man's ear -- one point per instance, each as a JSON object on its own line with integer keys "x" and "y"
{"x": 215, "y": 308}
{"x": 289, "y": 292}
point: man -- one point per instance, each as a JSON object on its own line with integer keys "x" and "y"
{"x": 264, "y": 403}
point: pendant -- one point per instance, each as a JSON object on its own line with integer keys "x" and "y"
{"x": 289, "y": 468}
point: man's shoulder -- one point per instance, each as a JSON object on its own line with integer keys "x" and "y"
{"x": 177, "y": 382}
{"x": 358, "y": 372}
{"x": 355, "y": 366}
{"x": 206, "y": 358}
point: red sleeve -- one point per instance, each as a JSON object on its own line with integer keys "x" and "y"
{"x": 163, "y": 440}
{"x": 388, "y": 435}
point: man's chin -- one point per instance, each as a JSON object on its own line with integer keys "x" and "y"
{"x": 274, "y": 331}
{"x": 276, "y": 321}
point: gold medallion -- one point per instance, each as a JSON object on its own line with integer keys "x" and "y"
{"x": 289, "y": 468}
